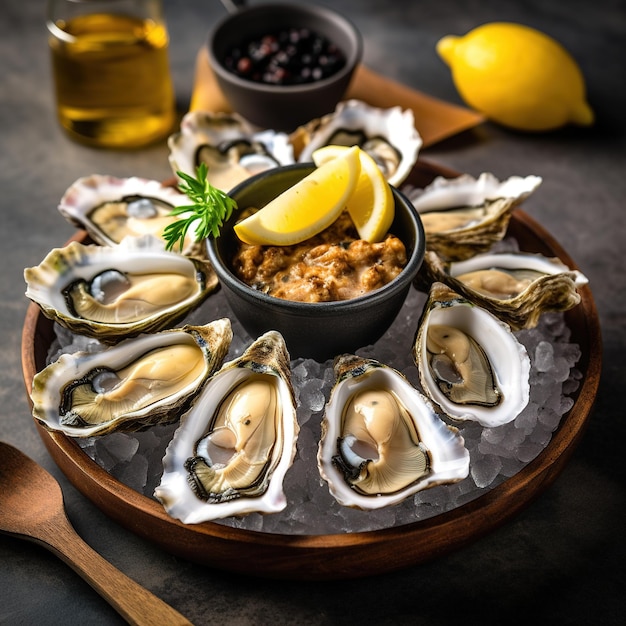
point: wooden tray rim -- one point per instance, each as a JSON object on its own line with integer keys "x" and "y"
{"x": 334, "y": 556}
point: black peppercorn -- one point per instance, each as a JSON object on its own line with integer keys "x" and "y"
{"x": 285, "y": 57}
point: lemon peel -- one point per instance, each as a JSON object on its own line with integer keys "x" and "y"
{"x": 306, "y": 208}
{"x": 371, "y": 206}
{"x": 517, "y": 76}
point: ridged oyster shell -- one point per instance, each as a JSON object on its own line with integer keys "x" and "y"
{"x": 464, "y": 216}
{"x": 232, "y": 449}
{"x": 114, "y": 292}
{"x": 381, "y": 438}
{"x": 517, "y": 287}
{"x": 111, "y": 209}
{"x": 388, "y": 135}
{"x": 139, "y": 382}
{"x": 470, "y": 363}
{"x": 232, "y": 149}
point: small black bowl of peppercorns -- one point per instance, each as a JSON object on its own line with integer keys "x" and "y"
{"x": 283, "y": 65}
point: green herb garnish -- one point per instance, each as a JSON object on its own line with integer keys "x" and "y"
{"x": 211, "y": 207}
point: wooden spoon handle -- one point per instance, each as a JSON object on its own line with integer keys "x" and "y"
{"x": 132, "y": 601}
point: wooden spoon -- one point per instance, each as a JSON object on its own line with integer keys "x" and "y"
{"x": 31, "y": 507}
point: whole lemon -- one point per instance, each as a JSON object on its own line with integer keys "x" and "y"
{"x": 517, "y": 76}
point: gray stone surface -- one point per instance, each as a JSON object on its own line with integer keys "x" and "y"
{"x": 561, "y": 560}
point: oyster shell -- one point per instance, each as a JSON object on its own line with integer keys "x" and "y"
{"x": 141, "y": 381}
{"x": 465, "y": 216}
{"x": 387, "y": 135}
{"x": 116, "y": 292}
{"x": 231, "y": 451}
{"x": 516, "y": 287}
{"x": 381, "y": 438}
{"x": 229, "y": 146}
{"x": 470, "y": 363}
{"x": 111, "y": 209}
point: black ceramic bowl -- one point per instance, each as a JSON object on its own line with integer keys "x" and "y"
{"x": 283, "y": 107}
{"x": 318, "y": 330}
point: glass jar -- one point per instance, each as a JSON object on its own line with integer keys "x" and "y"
{"x": 111, "y": 71}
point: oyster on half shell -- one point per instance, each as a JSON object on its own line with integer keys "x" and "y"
{"x": 111, "y": 209}
{"x": 517, "y": 287}
{"x": 464, "y": 216}
{"x": 139, "y": 382}
{"x": 121, "y": 291}
{"x": 470, "y": 363}
{"x": 232, "y": 149}
{"x": 389, "y": 136}
{"x": 381, "y": 438}
{"x": 232, "y": 449}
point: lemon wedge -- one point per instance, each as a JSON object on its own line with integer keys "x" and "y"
{"x": 371, "y": 205}
{"x": 306, "y": 208}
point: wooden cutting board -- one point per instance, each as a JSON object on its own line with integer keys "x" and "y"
{"x": 435, "y": 119}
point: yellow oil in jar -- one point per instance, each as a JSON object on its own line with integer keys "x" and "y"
{"x": 112, "y": 80}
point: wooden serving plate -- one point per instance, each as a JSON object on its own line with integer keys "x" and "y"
{"x": 349, "y": 555}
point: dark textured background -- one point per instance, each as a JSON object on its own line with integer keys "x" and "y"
{"x": 562, "y": 559}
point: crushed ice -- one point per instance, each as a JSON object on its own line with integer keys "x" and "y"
{"x": 495, "y": 453}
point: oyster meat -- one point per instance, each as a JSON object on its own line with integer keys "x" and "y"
{"x": 465, "y": 216}
{"x": 389, "y": 136}
{"x": 381, "y": 438}
{"x": 139, "y": 382}
{"x": 517, "y": 287}
{"x": 230, "y": 147}
{"x": 115, "y": 292}
{"x": 232, "y": 449}
{"x": 470, "y": 363}
{"x": 111, "y": 209}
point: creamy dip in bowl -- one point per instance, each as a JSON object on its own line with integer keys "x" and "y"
{"x": 316, "y": 329}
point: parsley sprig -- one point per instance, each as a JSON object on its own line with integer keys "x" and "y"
{"x": 209, "y": 209}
